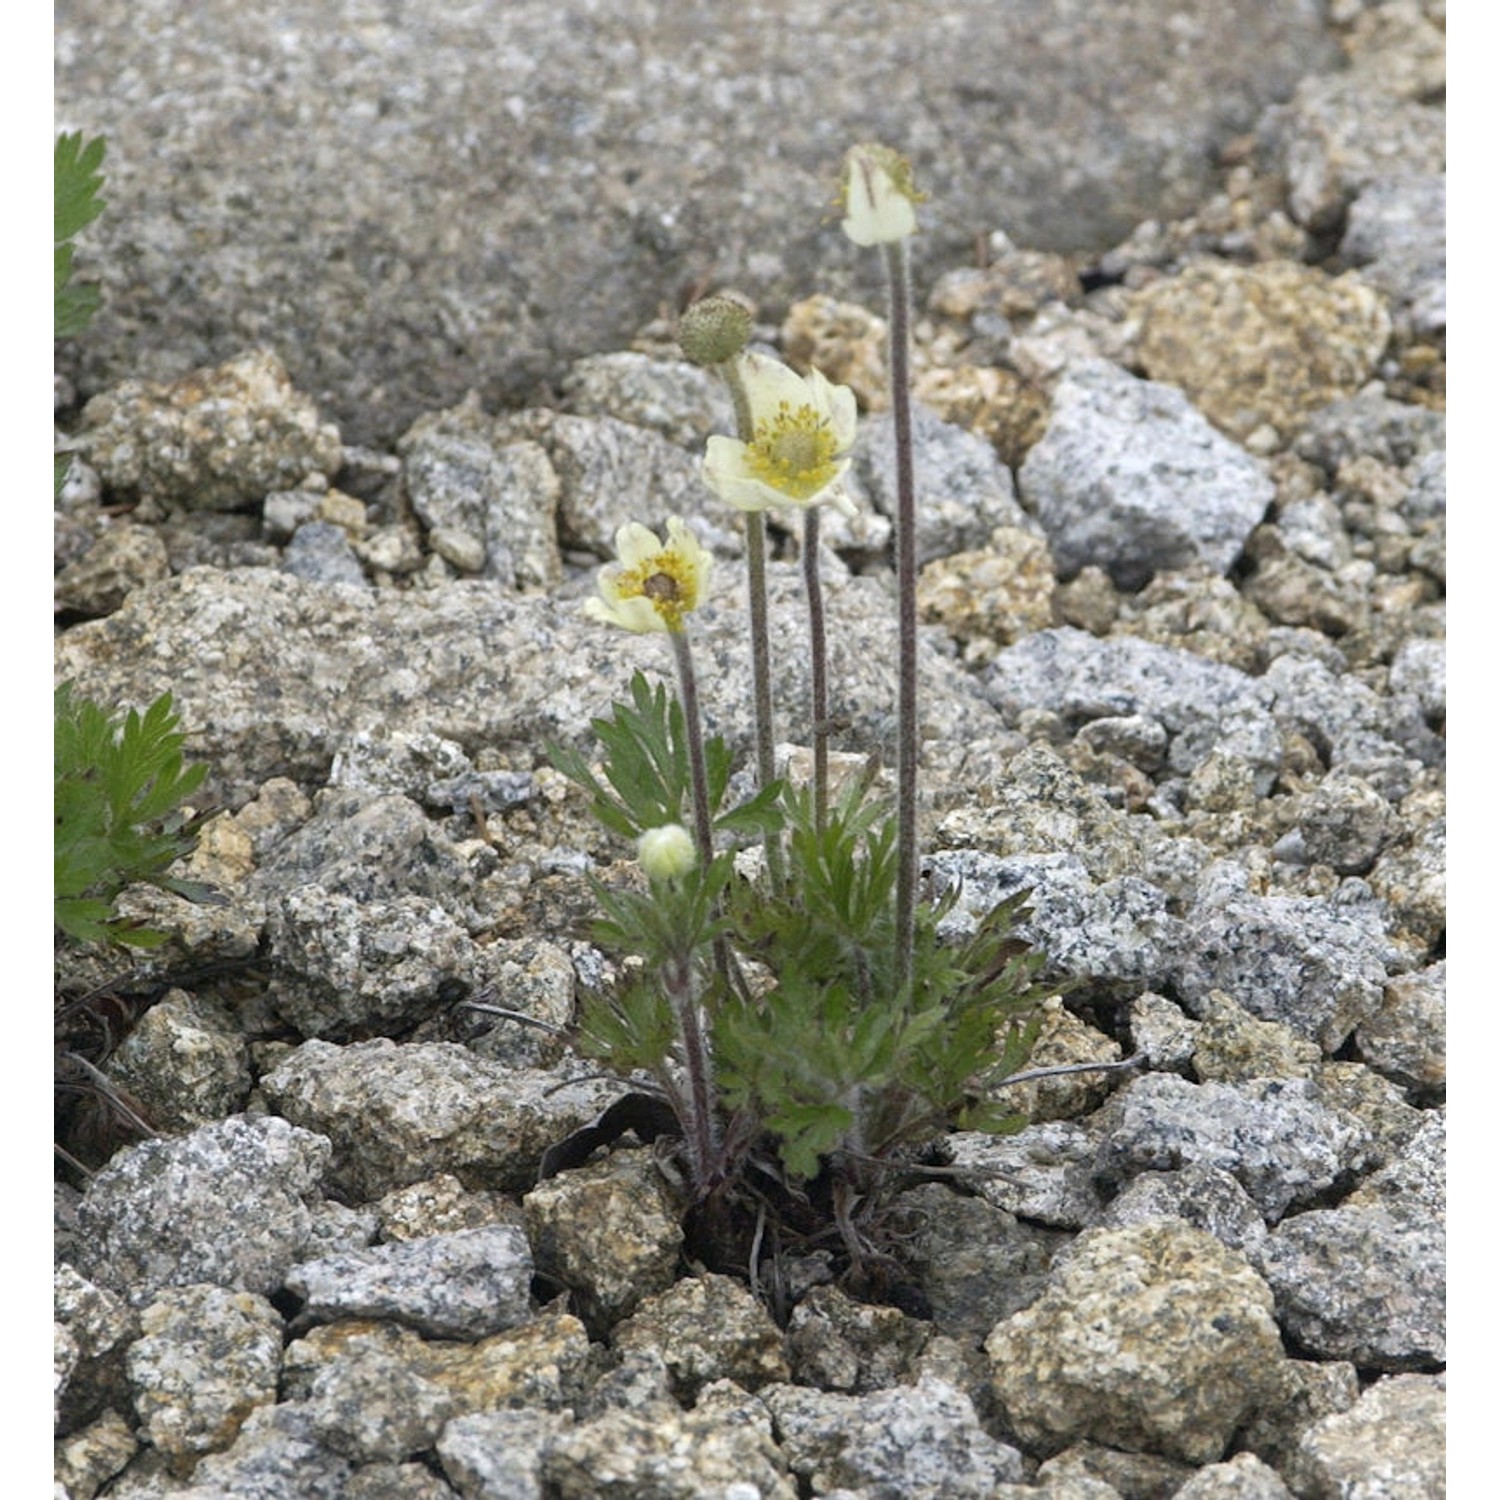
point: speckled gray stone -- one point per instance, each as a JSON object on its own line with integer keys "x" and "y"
{"x": 186, "y": 1063}
{"x": 1360, "y": 1283}
{"x": 276, "y": 675}
{"x": 1161, "y": 1031}
{"x": 1131, "y": 478}
{"x": 384, "y": 1480}
{"x": 230, "y": 1204}
{"x": 1243, "y": 1477}
{"x": 1341, "y": 132}
{"x": 965, "y": 491}
{"x": 1395, "y": 235}
{"x": 396, "y": 1114}
{"x": 466, "y": 1284}
{"x": 454, "y": 198}
{"x": 497, "y": 1455}
{"x": 501, "y": 497}
{"x": 377, "y": 1408}
{"x": 1120, "y": 930}
{"x": 1082, "y": 1466}
{"x": 1406, "y": 1038}
{"x": 1207, "y": 1197}
{"x": 610, "y": 1232}
{"x": 369, "y": 843}
{"x": 977, "y": 1263}
{"x": 1231, "y": 1046}
{"x": 683, "y": 402}
{"x": 1391, "y": 1444}
{"x": 1048, "y": 1171}
{"x": 1275, "y": 1137}
{"x": 218, "y": 439}
{"x": 321, "y": 552}
{"x": 1153, "y": 1338}
{"x": 707, "y": 1328}
{"x": 1345, "y": 823}
{"x": 1203, "y": 705}
{"x": 207, "y": 1357}
{"x": 721, "y": 1450}
{"x": 915, "y": 1442}
{"x": 544, "y": 1364}
{"x": 278, "y": 1452}
{"x": 1413, "y": 1183}
{"x": 94, "y": 1329}
{"x": 1031, "y": 802}
{"x": 837, "y": 1344}
{"x": 1427, "y": 498}
{"x": 123, "y": 558}
{"x": 1345, "y": 718}
{"x": 352, "y": 967}
{"x": 1317, "y": 967}
{"x": 1372, "y": 425}
{"x": 84, "y": 1462}
{"x": 1304, "y": 1391}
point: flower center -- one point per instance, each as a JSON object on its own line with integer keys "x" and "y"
{"x": 668, "y": 581}
{"x": 794, "y": 452}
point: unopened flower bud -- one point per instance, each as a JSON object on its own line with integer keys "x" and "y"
{"x": 713, "y": 331}
{"x": 666, "y": 852}
{"x": 879, "y": 197}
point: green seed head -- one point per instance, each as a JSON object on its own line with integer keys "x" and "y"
{"x": 713, "y": 331}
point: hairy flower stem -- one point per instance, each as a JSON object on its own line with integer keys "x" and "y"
{"x": 687, "y": 684}
{"x": 760, "y": 635}
{"x": 906, "y": 609}
{"x": 818, "y": 643}
{"x": 701, "y": 1129}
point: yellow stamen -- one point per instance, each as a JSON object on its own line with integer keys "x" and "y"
{"x": 667, "y": 580}
{"x": 794, "y": 452}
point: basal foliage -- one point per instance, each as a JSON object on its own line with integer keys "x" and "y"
{"x": 119, "y": 783}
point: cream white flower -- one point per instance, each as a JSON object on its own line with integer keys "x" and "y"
{"x": 653, "y": 584}
{"x": 879, "y": 197}
{"x": 666, "y": 852}
{"x": 803, "y": 433}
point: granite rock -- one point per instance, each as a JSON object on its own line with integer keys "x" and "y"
{"x": 466, "y": 1284}
{"x": 206, "y": 1359}
{"x": 1131, "y": 478}
{"x": 1155, "y": 1337}
{"x": 396, "y": 1114}
{"x": 915, "y": 1442}
{"x": 1275, "y": 1137}
{"x": 217, "y": 439}
{"x": 229, "y": 1204}
{"x": 451, "y": 198}
{"x": 1392, "y": 1442}
{"x": 1261, "y": 346}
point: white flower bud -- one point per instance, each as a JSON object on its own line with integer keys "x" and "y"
{"x": 667, "y": 852}
{"x": 879, "y": 197}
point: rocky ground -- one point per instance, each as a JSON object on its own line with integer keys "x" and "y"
{"x": 1183, "y": 543}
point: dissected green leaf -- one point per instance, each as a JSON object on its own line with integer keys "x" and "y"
{"x": 76, "y": 181}
{"x": 119, "y": 783}
{"x": 840, "y": 1052}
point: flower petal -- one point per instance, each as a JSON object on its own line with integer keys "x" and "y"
{"x": 634, "y": 543}
{"x": 769, "y": 384}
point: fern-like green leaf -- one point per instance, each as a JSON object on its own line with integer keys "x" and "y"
{"x": 118, "y": 788}
{"x": 76, "y": 181}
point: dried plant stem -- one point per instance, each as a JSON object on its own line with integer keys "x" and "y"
{"x": 906, "y": 608}
{"x": 818, "y": 646}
